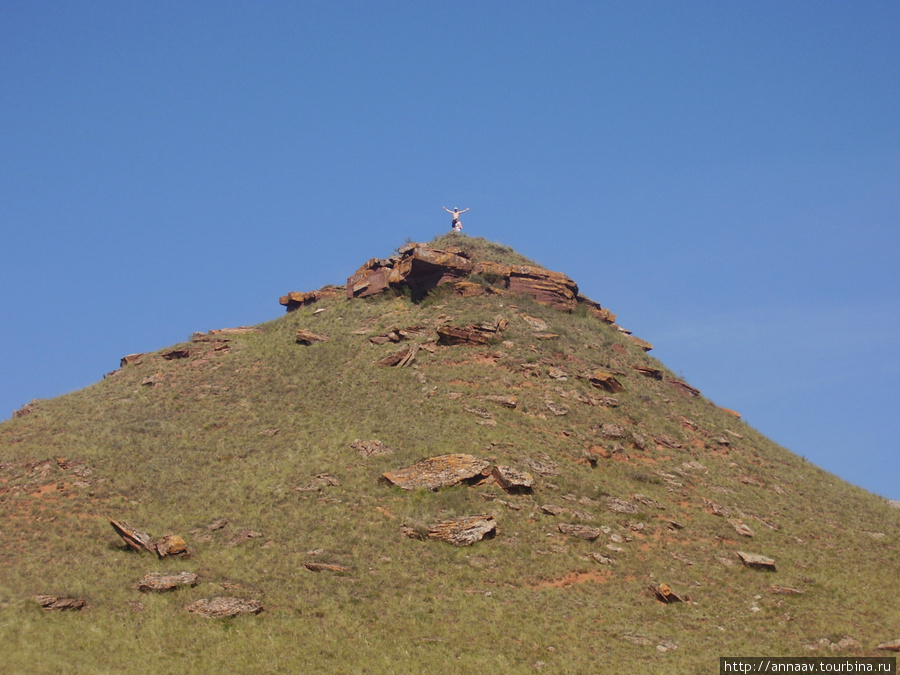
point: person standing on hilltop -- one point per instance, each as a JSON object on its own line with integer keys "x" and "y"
{"x": 456, "y": 224}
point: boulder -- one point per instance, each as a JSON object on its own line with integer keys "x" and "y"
{"x": 463, "y": 531}
{"x": 422, "y": 268}
{"x": 513, "y": 480}
{"x": 892, "y": 646}
{"x": 160, "y": 582}
{"x": 221, "y": 607}
{"x": 438, "y": 472}
{"x": 606, "y": 381}
{"x": 756, "y": 561}
{"x": 60, "y": 604}
{"x": 665, "y": 594}
{"x": 370, "y": 279}
{"x": 134, "y": 538}
{"x": 171, "y": 545}
{"x": 581, "y": 531}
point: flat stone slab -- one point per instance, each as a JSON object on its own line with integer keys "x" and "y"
{"x": 581, "y": 531}
{"x": 60, "y": 604}
{"x": 756, "y": 561}
{"x": 892, "y": 646}
{"x": 438, "y": 472}
{"x": 160, "y": 582}
{"x": 222, "y": 608}
{"x": 463, "y": 531}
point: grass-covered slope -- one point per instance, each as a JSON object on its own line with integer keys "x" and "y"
{"x": 230, "y": 430}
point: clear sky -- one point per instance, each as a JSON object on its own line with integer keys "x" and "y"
{"x": 725, "y": 176}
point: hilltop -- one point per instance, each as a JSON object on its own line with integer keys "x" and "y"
{"x": 454, "y": 461}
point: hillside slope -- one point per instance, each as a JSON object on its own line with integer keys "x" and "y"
{"x": 259, "y": 451}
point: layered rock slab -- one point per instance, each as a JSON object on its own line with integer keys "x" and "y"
{"x": 438, "y": 472}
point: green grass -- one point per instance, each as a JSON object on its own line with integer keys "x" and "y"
{"x": 199, "y": 446}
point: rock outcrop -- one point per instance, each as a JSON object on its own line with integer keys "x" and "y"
{"x": 438, "y": 472}
{"x": 420, "y": 268}
{"x": 463, "y": 531}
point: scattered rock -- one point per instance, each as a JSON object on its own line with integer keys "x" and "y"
{"x": 505, "y": 401}
{"x": 322, "y": 480}
{"x": 603, "y": 380}
{"x": 557, "y": 374}
{"x": 401, "y": 358}
{"x": 171, "y": 545}
{"x": 602, "y": 559}
{"x": 244, "y": 535}
{"x": 135, "y": 539}
{"x": 784, "y": 590}
{"x": 130, "y": 360}
{"x": 536, "y": 324}
{"x": 756, "y": 561}
{"x": 512, "y": 480}
{"x": 610, "y": 430}
{"x": 26, "y": 409}
{"x": 647, "y": 501}
{"x": 892, "y": 646}
{"x": 617, "y": 505}
{"x": 544, "y": 468}
{"x": 372, "y": 448}
{"x": 160, "y": 582}
{"x": 463, "y": 531}
{"x": 220, "y": 607}
{"x": 325, "y": 567}
{"x": 647, "y": 371}
{"x": 217, "y": 524}
{"x": 60, "y": 604}
{"x": 643, "y": 344}
{"x": 293, "y": 301}
{"x": 556, "y": 409}
{"x": 668, "y": 441}
{"x": 741, "y": 527}
{"x": 665, "y": 594}
{"x": 307, "y": 337}
{"x": 181, "y": 353}
{"x": 438, "y": 472}
{"x": 581, "y": 531}
{"x": 472, "y": 335}
{"x": 684, "y": 388}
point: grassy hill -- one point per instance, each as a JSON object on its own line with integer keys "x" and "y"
{"x": 256, "y": 431}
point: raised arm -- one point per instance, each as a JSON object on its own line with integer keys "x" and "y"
{"x": 446, "y": 209}
{"x": 465, "y": 209}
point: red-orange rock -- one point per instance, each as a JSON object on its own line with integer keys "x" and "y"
{"x": 548, "y": 288}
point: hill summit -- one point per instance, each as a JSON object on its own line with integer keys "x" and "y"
{"x": 455, "y": 462}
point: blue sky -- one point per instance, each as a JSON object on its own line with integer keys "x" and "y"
{"x": 723, "y": 176}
